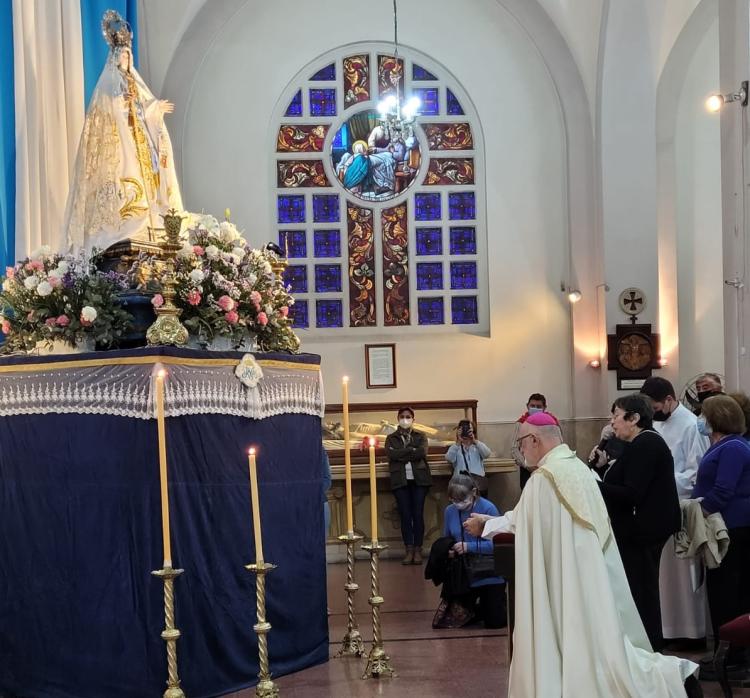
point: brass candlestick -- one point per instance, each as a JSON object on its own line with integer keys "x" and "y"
{"x": 352, "y": 643}
{"x": 265, "y": 688}
{"x": 170, "y": 634}
{"x": 378, "y": 662}
{"x": 168, "y": 329}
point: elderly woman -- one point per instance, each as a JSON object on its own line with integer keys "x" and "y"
{"x": 723, "y": 485}
{"x": 641, "y": 497}
{"x": 485, "y": 598}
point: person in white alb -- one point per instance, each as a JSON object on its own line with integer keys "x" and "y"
{"x": 683, "y": 598}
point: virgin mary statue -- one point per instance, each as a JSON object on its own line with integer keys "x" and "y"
{"x": 124, "y": 175}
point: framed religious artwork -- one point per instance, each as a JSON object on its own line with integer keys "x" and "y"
{"x": 633, "y": 351}
{"x": 380, "y": 365}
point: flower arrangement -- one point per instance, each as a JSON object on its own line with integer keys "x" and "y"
{"x": 225, "y": 289}
{"x": 50, "y": 297}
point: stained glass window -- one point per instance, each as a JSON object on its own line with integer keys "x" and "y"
{"x": 326, "y": 208}
{"x": 298, "y": 313}
{"x": 323, "y": 102}
{"x": 419, "y": 73}
{"x": 427, "y": 207}
{"x": 430, "y": 311}
{"x": 291, "y": 209}
{"x": 295, "y": 275}
{"x": 463, "y": 275}
{"x": 328, "y": 278}
{"x": 429, "y": 276}
{"x": 327, "y": 243}
{"x": 429, "y": 98}
{"x": 464, "y": 310}
{"x": 329, "y": 313}
{"x": 462, "y": 206}
{"x": 295, "y": 106}
{"x": 327, "y": 73}
{"x": 463, "y": 240}
{"x": 429, "y": 241}
{"x": 454, "y": 106}
{"x": 293, "y": 242}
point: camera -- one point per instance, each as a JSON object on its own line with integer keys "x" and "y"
{"x": 465, "y": 429}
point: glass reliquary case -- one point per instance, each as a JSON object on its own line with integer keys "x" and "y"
{"x": 436, "y": 419}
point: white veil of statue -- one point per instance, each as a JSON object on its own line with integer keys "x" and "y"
{"x": 124, "y": 175}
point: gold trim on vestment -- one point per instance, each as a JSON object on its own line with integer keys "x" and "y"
{"x": 140, "y": 360}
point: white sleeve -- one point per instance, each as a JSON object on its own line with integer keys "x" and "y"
{"x": 499, "y": 524}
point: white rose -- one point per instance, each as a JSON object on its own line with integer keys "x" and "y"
{"x": 212, "y": 252}
{"x": 269, "y": 310}
{"x": 251, "y": 279}
{"x": 210, "y": 224}
{"x": 31, "y": 282}
{"x": 197, "y": 276}
{"x": 43, "y": 251}
{"x": 186, "y": 250}
{"x": 62, "y": 267}
{"x": 88, "y": 313}
{"x": 44, "y": 288}
{"x": 237, "y": 258}
{"x": 228, "y": 231}
{"x": 238, "y": 252}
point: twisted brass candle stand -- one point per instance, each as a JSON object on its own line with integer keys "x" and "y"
{"x": 352, "y": 643}
{"x": 168, "y": 329}
{"x": 265, "y": 688}
{"x": 378, "y": 662}
{"x": 170, "y": 634}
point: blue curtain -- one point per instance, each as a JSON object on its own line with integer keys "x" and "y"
{"x": 95, "y": 48}
{"x": 7, "y": 140}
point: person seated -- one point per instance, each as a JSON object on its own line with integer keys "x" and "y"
{"x": 467, "y": 455}
{"x": 464, "y": 602}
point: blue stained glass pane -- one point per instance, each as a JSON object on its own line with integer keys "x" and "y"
{"x": 298, "y": 313}
{"x": 463, "y": 274}
{"x": 341, "y": 140}
{"x": 291, "y": 209}
{"x": 464, "y": 310}
{"x": 419, "y": 73}
{"x": 323, "y": 102}
{"x": 327, "y": 278}
{"x": 429, "y": 97}
{"x": 429, "y": 241}
{"x": 454, "y": 106}
{"x": 326, "y": 208}
{"x": 327, "y": 243}
{"x": 429, "y": 276}
{"x": 293, "y": 242}
{"x": 427, "y": 207}
{"x": 327, "y": 73}
{"x": 462, "y": 206}
{"x": 329, "y": 313}
{"x": 430, "y": 311}
{"x": 295, "y": 275}
{"x": 463, "y": 240}
{"x": 295, "y": 106}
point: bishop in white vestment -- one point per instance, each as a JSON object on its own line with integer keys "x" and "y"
{"x": 577, "y": 630}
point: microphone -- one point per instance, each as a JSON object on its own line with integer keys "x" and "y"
{"x": 599, "y": 447}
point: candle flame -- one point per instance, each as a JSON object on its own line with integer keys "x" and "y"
{"x": 161, "y": 373}
{"x": 346, "y": 379}
{"x": 373, "y": 441}
{"x": 251, "y": 451}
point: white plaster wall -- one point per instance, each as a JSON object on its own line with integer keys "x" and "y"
{"x": 699, "y": 217}
{"x": 226, "y": 144}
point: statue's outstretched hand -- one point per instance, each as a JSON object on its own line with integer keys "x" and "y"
{"x": 166, "y": 106}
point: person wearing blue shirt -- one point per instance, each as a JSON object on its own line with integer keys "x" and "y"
{"x": 468, "y": 455}
{"x": 486, "y": 598}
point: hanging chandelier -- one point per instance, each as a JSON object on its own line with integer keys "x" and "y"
{"x": 395, "y": 116}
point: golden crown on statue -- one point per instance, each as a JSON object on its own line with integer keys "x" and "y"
{"x": 116, "y": 29}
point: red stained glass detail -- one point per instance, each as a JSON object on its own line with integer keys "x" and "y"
{"x": 356, "y": 79}
{"x": 301, "y": 139}
{"x": 449, "y": 136}
{"x": 450, "y": 171}
{"x": 395, "y": 266}
{"x": 361, "y": 267}
{"x": 390, "y": 75}
{"x": 301, "y": 173}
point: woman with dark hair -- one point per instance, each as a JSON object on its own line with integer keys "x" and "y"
{"x": 641, "y": 497}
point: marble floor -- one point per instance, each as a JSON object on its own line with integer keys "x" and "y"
{"x": 430, "y": 663}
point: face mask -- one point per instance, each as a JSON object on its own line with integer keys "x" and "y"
{"x": 405, "y": 422}
{"x": 703, "y": 394}
{"x": 535, "y": 410}
{"x": 703, "y": 426}
{"x": 463, "y": 506}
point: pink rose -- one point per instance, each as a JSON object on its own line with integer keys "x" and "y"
{"x": 5, "y": 327}
{"x": 284, "y": 310}
{"x": 157, "y": 301}
{"x": 198, "y": 250}
{"x": 255, "y": 297}
{"x": 34, "y": 265}
{"x": 62, "y": 321}
{"x": 231, "y": 317}
{"x": 262, "y": 318}
{"x": 194, "y": 297}
{"x": 226, "y": 303}
{"x": 50, "y": 321}
{"x": 54, "y": 281}
{"x": 30, "y": 316}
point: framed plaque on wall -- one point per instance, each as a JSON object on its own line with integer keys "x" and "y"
{"x": 380, "y": 365}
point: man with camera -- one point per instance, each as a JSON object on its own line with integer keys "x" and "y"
{"x": 468, "y": 455}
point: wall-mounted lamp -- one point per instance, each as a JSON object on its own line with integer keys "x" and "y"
{"x": 595, "y": 363}
{"x": 715, "y": 102}
{"x": 574, "y": 295}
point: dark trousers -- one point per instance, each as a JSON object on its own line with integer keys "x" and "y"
{"x": 491, "y": 604}
{"x": 641, "y": 564}
{"x": 728, "y": 586}
{"x": 410, "y": 502}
